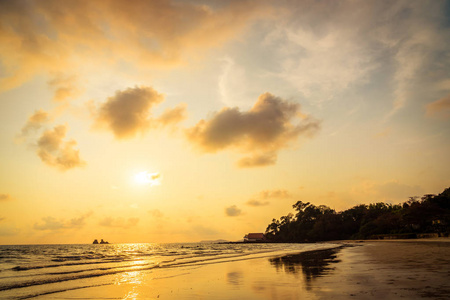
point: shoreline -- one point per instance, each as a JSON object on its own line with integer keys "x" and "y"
{"x": 387, "y": 269}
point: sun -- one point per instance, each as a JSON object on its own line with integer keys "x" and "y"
{"x": 147, "y": 178}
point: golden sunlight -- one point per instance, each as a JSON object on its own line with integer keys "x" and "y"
{"x": 146, "y": 178}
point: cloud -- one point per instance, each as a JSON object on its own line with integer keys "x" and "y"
{"x": 8, "y": 230}
{"x": 321, "y": 52}
{"x": 268, "y": 194}
{"x": 173, "y": 115}
{"x": 58, "y": 153}
{"x": 269, "y": 126}
{"x": 253, "y": 202}
{"x": 37, "y": 36}
{"x": 203, "y": 230}
{"x": 5, "y": 197}
{"x": 119, "y": 222}
{"x": 53, "y": 224}
{"x": 439, "y": 108}
{"x": 258, "y": 160}
{"x": 128, "y": 112}
{"x": 50, "y": 223}
{"x": 233, "y": 211}
{"x": 64, "y": 87}
{"x": 156, "y": 213}
{"x": 51, "y": 146}
{"x": 147, "y": 178}
{"x": 35, "y": 122}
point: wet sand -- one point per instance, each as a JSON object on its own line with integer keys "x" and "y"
{"x": 367, "y": 270}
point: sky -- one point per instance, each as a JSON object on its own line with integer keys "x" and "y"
{"x": 181, "y": 121}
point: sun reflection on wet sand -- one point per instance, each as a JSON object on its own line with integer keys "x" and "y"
{"x": 373, "y": 270}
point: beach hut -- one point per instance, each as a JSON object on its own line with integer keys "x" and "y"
{"x": 254, "y": 237}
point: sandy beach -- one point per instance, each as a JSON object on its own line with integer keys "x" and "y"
{"x": 366, "y": 270}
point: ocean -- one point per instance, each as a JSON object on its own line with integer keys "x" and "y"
{"x": 28, "y": 271}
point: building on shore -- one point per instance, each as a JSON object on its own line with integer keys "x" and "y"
{"x": 254, "y": 237}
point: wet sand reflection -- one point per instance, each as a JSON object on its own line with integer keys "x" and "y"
{"x": 312, "y": 264}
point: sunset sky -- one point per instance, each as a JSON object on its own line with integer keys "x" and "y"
{"x": 181, "y": 121}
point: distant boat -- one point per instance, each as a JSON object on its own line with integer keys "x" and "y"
{"x": 101, "y": 242}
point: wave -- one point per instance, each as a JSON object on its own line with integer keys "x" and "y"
{"x": 27, "y": 268}
{"x": 96, "y": 272}
{"x": 76, "y": 266}
{"x": 60, "y": 291}
{"x": 74, "y": 277}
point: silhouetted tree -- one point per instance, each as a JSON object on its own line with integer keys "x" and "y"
{"x": 428, "y": 214}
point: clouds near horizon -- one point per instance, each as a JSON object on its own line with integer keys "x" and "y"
{"x": 54, "y": 224}
{"x": 263, "y": 197}
{"x": 269, "y": 126}
{"x": 119, "y": 222}
{"x": 254, "y": 202}
{"x": 280, "y": 193}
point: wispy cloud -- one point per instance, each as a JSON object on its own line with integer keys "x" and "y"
{"x": 439, "y": 108}
{"x": 37, "y": 37}
{"x": 119, "y": 222}
{"x": 64, "y": 87}
{"x": 156, "y": 213}
{"x": 173, "y": 115}
{"x": 5, "y": 197}
{"x": 280, "y": 193}
{"x": 269, "y": 126}
{"x": 35, "y": 122}
{"x": 263, "y": 197}
{"x": 54, "y": 224}
{"x": 253, "y": 202}
{"x": 324, "y": 55}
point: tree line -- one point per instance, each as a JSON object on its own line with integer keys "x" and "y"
{"x": 427, "y": 214}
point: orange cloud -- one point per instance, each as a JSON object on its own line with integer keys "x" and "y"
{"x": 51, "y": 36}
{"x": 269, "y": 194}
{"x": 119, "y": 222}
{"x": 233, "y": 211}
{"x": 275, "y": 194}
{"x": 64, "y": 87}
{"x": 58, "y": 153}
{"x": 253, "y": 202}
{"x": 258, "y": 160}
{"x": 156, "y": 213}
{"x": 53, "y": 224}
{"x": 5, "y": 197}
{"x": 173, "y": 115}
{"x": 35, "y": 122}
{"x": 128, "y": 112}
{"x": 269, "y": 126}
{"x": 439, "y": 108}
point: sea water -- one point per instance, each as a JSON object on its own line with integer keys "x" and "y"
{"x": 28, "y": 271}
